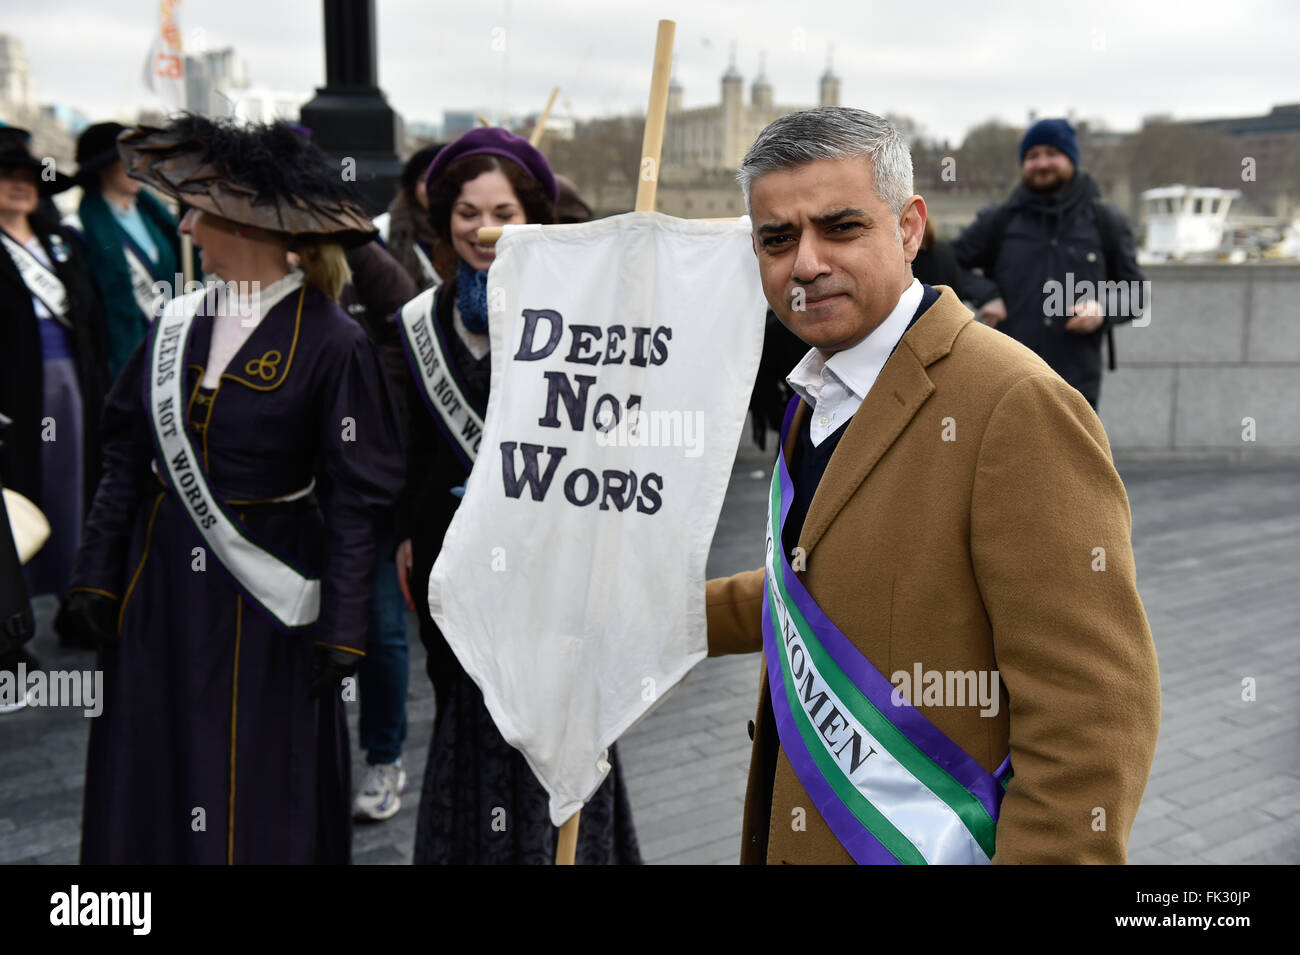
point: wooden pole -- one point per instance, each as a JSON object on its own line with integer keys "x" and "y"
{"x": 566, "y": 844}
{"x": 483, "y": 120}
{"x": 536, "y": 137}
{"x": 653, "y": 141}
{"x": 187, "y": 257}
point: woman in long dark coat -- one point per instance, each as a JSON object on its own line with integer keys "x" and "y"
{"x": 481, "y": 803}
{"x": 51, "y": 359}
{"x": 223, "y": 738}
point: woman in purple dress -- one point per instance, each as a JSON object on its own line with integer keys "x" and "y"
{"x": 250, "y": 444}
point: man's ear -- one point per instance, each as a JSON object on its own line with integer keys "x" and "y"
{"x": 911, "y": 225}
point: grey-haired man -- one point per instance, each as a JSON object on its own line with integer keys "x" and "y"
{"x": 947, "y": 676}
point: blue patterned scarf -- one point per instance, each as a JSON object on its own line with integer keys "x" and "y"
{"x": 471, "y": 297}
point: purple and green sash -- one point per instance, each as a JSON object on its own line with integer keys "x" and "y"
{"x": 891, "y": 786}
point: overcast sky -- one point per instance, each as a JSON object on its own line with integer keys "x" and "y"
{"x": 948, "y": 64}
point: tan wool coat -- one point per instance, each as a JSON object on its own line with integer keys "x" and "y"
{"x": 971, "y": 519}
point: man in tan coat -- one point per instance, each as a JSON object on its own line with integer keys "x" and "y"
{"x": 957, "y": 662}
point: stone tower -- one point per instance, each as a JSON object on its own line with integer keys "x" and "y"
{"x": 829, "y": 88}
{"x": 761, "y": 92}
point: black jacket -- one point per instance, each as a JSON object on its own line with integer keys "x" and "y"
{"x": 1031, "y": 240}
{"x": 22, "y": 370}
{"x": 427, "y": 504}
{"x": 937, "y": 266}
{"x": 377, "y": 292}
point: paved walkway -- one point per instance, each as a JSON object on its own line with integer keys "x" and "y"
{"x": 1218, "y": 556}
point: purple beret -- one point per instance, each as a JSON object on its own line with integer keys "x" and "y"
{"x": 495, "y": 141}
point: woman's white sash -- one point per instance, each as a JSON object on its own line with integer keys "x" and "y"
{"x": 142, "y": 281}
{"x": 40, "y": 280}
{"x": 439, "y": 387}
{"x": 287, "y": 595}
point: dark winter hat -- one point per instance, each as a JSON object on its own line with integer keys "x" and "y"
{"x": 16, "y": 153}
{"x": 570, "y": 207}
{"x": 264, "y": 175}
{"x": 97, "y": 149}
{"x": 419, "y": 163}
{"x": 1051, "y": 132}
{"x": 496, "y": 141}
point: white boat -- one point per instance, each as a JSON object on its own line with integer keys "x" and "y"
{"x": 1289, "y": 245}
{"x": 1184, "y": 222}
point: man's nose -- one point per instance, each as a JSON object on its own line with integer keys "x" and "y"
{"x": 809, "y": 262}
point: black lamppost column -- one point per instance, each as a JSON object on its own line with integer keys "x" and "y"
{"x": 349, "y": 117}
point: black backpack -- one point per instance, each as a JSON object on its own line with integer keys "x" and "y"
{"x": 1109, "y": 252}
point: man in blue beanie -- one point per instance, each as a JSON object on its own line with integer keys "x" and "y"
{"x": 1061, "y": 264}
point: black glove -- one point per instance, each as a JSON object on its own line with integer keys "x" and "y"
{"x": 329, "y": 667}
{"x": 87, "y": 621}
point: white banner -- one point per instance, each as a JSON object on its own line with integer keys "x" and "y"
{"x": 164, "y": 69}
{"x": 571, "y": 581}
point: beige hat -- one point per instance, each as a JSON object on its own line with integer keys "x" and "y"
{"x": 30, "y": 528}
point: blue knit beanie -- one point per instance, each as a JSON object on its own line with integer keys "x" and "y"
{"x": 1051, "y": 132}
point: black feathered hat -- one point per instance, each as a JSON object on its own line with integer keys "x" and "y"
{"x": 16, "y": 153}
{"x": 266, "y": 175}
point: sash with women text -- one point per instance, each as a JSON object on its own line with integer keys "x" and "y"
{"x": 890, "y": 785}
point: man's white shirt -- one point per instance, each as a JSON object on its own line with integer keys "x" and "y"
{"x": 835, "y": 388}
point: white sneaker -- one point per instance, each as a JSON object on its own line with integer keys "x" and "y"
{"x": 381, "y": 792}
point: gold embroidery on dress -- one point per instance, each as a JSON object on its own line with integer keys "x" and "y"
{"x": 264, "y": 367}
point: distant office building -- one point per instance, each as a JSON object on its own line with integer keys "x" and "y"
{"x": 214, "y": 80}
{"x": 258, "y": 104}
{"x": 1282, "y": 120}
{"x": 457, "y": 122}
{"x": 217, "y": 85}
{"x": 423, "y": 132}
{"x": 18, "y": 106}
{"x": 1272, "y": 140}
{"x": 71, "y": 118}
{"x": 15, "y": 74}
